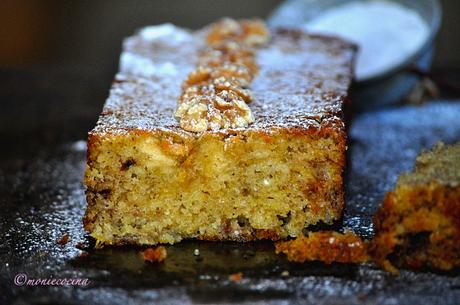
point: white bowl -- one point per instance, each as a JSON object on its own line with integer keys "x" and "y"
{"x": 392, "y": 84}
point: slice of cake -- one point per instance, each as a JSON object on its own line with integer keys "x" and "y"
{"x": 155, "y": 175}
{"x": 418, "y": 224}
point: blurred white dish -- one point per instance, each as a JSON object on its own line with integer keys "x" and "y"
{"x": 395, "y": 81}
{"x": 386, "y": 32}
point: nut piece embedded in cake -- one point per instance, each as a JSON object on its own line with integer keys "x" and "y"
{"x": 418, "y": 224}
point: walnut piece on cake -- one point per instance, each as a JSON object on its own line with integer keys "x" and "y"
{"x": 215, "y": 94}
{"x": 251, "y": 32}
{"x": 418, "y": 224}
{"x": 149, "y": 181}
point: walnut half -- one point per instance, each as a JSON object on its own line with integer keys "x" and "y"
{"x": 216, "y": 109}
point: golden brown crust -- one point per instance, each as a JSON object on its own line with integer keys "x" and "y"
{"x": 325, "y": 246}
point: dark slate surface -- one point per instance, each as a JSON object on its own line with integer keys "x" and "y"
{"x": 42, "y": 197}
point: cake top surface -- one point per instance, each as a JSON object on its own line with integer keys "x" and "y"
{"x": 441, "y": 165}
{"x": 302, "y": 82}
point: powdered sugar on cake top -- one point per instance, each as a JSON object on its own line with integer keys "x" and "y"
{"x": 301, "y": 85}
{"x": 146, "y": 53}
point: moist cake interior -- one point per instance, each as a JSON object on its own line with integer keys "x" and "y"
{"x": 237, "y": 187}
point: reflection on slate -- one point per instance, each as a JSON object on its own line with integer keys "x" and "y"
{"x": 42, "y": 197}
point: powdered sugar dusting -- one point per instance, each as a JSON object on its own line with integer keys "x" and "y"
{"x": 143, "y": 66}
{"x": 153, "y": 51}
{"x": 166, "y": 32}
{"x": 301, "y": 85}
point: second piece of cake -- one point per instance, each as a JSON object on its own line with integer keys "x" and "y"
{"x": 150, "y": 181}
{"x": 418, "y": 224}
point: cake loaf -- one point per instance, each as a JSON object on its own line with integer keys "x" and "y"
{"x": 150, "y": 181}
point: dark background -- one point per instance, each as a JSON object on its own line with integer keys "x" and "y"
{"x": 88, "y": 33}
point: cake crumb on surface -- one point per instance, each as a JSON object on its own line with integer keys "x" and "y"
{"x": 325, "y": 246}
{"x": 236, "y": 277}
{"x": 63, "y": 240}
{"x": 154, "y": 255}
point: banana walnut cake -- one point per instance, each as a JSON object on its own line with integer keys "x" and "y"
{"x": 232, "y": 132}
